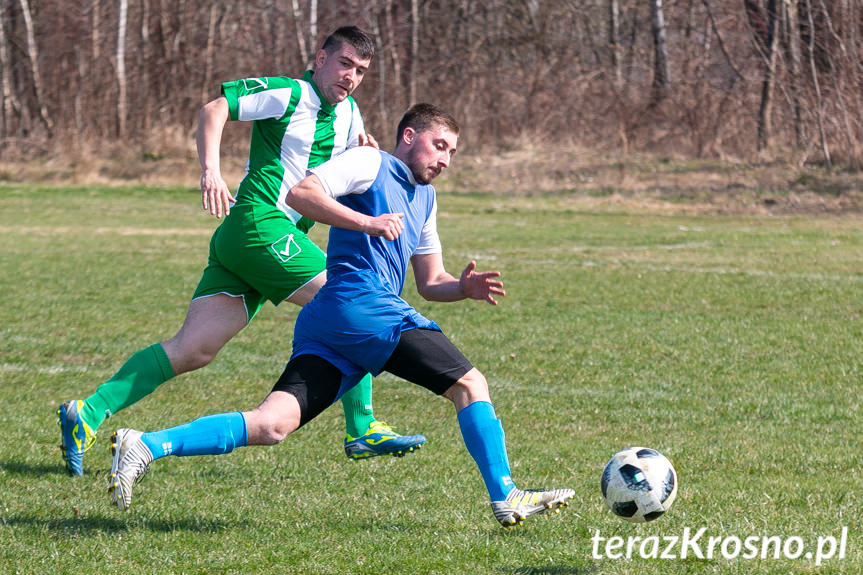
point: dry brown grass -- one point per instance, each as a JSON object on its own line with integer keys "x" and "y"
{"x": 594, "y": 179}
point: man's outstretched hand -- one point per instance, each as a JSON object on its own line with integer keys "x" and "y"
{"x": 480, "y": 285}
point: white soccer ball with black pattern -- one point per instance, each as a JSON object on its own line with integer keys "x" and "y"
{"x": 639, "y": 484}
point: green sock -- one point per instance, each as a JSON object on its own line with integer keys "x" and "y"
{"x": 139, "y": 377}
{"x": 357, "y": 404}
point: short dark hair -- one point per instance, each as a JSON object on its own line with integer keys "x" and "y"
{"x": 423, "y": 116}
{"x": 361, "y": 42}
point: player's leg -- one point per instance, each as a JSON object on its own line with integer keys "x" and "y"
{"x": 210, "y": 323}
{"x": 365, "y": 436}
{"x": 428, "y": 358}
{"x": 291, "y": 404}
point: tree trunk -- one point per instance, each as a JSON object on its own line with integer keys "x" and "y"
{"x": 208, "y": 59}
{"x": 33, "y": 55}
{"x": 819, "y": 102}
{"x": 791, "y": 33}
{"x": 6, "y": 94}
{"x": 614, "y": 40}
{"x": 297, "y": 13}
{"x": 121, "y": 68}
{"x": 839, "y": 77}
{"x": 392, "y": 48}
{"x": 380, "y": 49}
{"x": 415, "y": 51}
{"x": 660, "y": 52}
{"x": 765, "y": 127}
{"x": 144, "y": 63}
{"x": 719, "y": 39}
{"x": 313, "y": 23}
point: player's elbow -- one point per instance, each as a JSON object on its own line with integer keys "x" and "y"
{"x": 431, "y": 293}
{"x": 303, "y": 194}
{"x": 425, "y": 293}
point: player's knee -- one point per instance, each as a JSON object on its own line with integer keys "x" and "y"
{"x": 271, "y": 431}
{"x": 471, "y": 387}
{"x": 186, "y": 357}
{"x": 200, "y": 357}
{"x": 274, "y": 434}
{"x": 267, "y": 425}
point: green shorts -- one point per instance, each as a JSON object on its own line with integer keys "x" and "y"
{"x": 258, "y": 254}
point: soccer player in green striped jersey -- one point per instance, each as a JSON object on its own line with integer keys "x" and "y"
{"x": 260, "y": 251}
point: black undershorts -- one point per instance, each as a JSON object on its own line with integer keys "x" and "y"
{"x": 425, "y": 357}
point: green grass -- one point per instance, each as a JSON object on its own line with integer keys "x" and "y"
{"x": 731, "y": 344}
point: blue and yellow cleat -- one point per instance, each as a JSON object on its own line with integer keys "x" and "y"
{"x": 380, "y": 439}
{"x": 75, "y": 435}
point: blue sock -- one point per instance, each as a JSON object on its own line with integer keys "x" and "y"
{"x": 484, "y": 439}
{"x": 211, "y": 435}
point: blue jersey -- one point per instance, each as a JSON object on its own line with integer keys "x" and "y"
{"x": 356, "y": 319}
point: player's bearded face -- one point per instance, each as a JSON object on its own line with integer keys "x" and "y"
{"x": 431, "y": 152}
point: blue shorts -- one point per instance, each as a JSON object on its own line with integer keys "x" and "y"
{"x": 354, "y": 322}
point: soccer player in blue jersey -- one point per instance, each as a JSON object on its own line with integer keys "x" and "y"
{"x": 261, "y": 251}
{"x": 382, "y": 212}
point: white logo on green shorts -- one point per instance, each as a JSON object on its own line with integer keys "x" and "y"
{"x": 286, "y": 248}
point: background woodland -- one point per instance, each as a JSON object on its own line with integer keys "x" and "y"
{"x": 699, "y": 78}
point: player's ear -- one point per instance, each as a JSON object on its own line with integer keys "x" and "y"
{"x": 408, "y": 136}
{"x": 320, "y": 58}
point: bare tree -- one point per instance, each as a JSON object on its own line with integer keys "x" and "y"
{"x": 7, "y": 103}
{"x": 381, "y": 54}
{"x": 415, "y": 50}
{"x": 585, "y": 70}
{"x": 313, "y": 22}
{"x": 208, "y": 57}
{"x": 299, "y": 31}
{"x": 766, "y": 41}
{"x": 33, "y": 56}
{"x": 121, "y": 68}
{"x": 614, "y": 40}
{"x": 839, "y": 85}
{"x": 819, "y": 101}
{"x": 660, "y": 50}
{"x": 391, "y": 46}
{"x": 144, "y": 55}
{"x": 791, "y": 36}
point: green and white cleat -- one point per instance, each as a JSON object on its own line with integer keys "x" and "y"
{"x": 380, "y": 439}
{"x": 523, "y": 503}
{"x": 130, "y": 461}
{"x": 76, "y": 437}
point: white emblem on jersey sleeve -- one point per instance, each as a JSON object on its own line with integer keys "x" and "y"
{"x": 252, "y": 84}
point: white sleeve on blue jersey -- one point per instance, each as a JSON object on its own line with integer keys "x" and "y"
{"x": 429, "y": 238}
{"x": 354, "y": 171}
{"x": 351, "y": 172}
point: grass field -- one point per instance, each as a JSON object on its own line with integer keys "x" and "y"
{"x": 733, "y": 344}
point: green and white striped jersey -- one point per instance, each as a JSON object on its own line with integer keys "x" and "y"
{"x": 293, "y": 129}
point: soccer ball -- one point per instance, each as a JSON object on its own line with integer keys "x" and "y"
{"x": 639, "y": 484}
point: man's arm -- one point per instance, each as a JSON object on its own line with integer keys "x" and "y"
{"x": 215, "y": 195}
{"x": 434, "y": 283}
{"x": 311, "y": 199}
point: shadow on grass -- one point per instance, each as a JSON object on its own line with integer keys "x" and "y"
{"x": 96, "y": 524}
{"x": 29, "y": 470}
{"x": 557, "y": 570}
